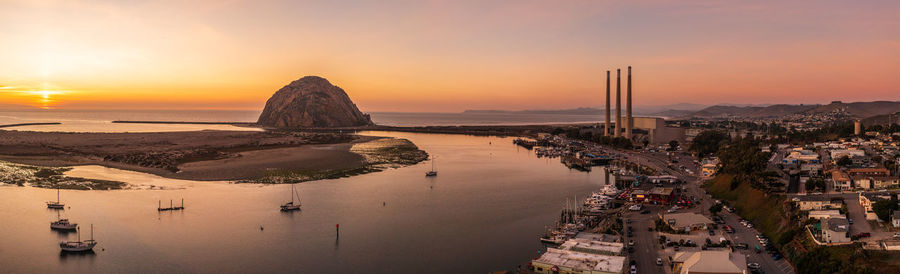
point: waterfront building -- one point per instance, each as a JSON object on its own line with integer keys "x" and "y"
{"x": 556, "y": 261}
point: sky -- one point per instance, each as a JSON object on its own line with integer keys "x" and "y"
{"x": 445, "y": 56}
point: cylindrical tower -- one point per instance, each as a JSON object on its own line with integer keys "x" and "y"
{"x": 629, "y": 122}
{"x": 606, "y": 127}
{"x": 618, "y": 128}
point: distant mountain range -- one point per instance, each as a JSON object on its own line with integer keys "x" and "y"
{"x": 687, "y": 110}
{"x": 855, "y": 110}
{"x": 638, "y": 110}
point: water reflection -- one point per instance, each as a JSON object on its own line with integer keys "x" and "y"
{"x": 485, "y": 215}
{"x": 85, "y": 255}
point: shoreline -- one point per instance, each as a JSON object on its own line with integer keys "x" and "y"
{"x": 239, "y": 156}
{"x": 30, "y": 124}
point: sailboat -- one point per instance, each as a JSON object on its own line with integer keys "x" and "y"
{"x": 291, "y": 206}
{"x": 63, "y": 224}
{"x": 431, "y": 173}
{"x": 57, "y": 204}
{"x": 79, "y": 246}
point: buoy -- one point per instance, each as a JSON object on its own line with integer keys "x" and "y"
{"x": 383, "y": 203}
{"x": 260, "y": 228}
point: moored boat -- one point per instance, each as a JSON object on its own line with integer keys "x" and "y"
{"x": 291, "y": 206}
{"x": 63, "y": 224}
{"x": 57, "y": 204}
{"x": 79, "y": 246}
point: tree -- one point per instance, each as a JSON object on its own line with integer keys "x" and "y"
{"x": 715, "y": 209}
{"x": 810, "y": 186}
{"x": 708, "y": 142}
{"x": 883, "y": 209}
{"x": 673, "y": 145}
{"x": 844, "y": 161}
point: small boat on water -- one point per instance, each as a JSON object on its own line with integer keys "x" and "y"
{"x": 57, "y": 204}
{"x": 63, "y": 224}
{"x": 79, "y": 246}
{"x": 291, "y": 206}
{"x": 431, "y": 173}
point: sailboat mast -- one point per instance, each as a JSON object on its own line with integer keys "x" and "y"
{"x": 292, "y": 193}
{"x": 57, "y": 194}
{"x": 92, "y": 232}
{"x": 79, "y": 233}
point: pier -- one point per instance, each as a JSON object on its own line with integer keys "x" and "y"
{"x": 171, "y": 206}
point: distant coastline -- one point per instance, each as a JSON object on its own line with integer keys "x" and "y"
{"x": 184, "y": 123}
{"x": 30, "y": 124}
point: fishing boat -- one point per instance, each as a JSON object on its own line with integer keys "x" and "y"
{"x": 63, "y": 224}
{"x": 431, "y": 173}
{"x": 79, "y": 246}
{"x": 291, "y": 206}
{"x": 57, "y": 204}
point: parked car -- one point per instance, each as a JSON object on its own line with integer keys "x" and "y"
{"x": 896, "y": 235}
{"x": 753, "y": 265}
{"x": 712, "y": 232}
{"x": 742, "y": 246}
{"x": 659, "y": 261}
{"x": 776, "y": 257}
{"x": 863, "y": 235}
{"x": 631, "y": 243}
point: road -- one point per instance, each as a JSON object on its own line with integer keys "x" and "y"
{"x": 646, "y": 248}
{"x": 646, "y": 257}
{"x": 746, "y": 235}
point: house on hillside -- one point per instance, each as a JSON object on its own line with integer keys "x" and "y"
{"x": 835, "y": 230}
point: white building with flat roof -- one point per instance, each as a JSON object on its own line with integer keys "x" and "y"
{"x": 567, "y": 261}
{"x": 709, "y": 261}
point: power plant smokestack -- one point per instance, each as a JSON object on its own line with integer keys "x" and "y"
{"x": 606, "y": 126}
{"x": 618, "y": 129}
{"x": 629, "y": 122}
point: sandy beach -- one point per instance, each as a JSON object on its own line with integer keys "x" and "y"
{"x": 197, "y": 155}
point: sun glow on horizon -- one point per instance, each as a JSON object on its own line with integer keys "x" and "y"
{"x": 443, "y": 56}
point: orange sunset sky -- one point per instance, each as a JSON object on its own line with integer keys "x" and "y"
{"x": 445, "y": 56}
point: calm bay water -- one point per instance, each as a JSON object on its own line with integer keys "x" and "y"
{"x": 483, "y": 212}
{"x": 94, "y": 120}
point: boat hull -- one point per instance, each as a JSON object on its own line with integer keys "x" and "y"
{"x": 56, "y": 206}
{"x": 72, "y": 227}
{"x": 77, "y": 246}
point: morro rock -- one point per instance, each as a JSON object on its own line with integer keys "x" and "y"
{"x": 311, "y": 101}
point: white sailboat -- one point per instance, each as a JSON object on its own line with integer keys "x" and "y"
{"x": 433, "y": 172}
{"x": 291, "y": 206}
{"x": 79, "y": 246}
{"x": 57, "y": 204}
